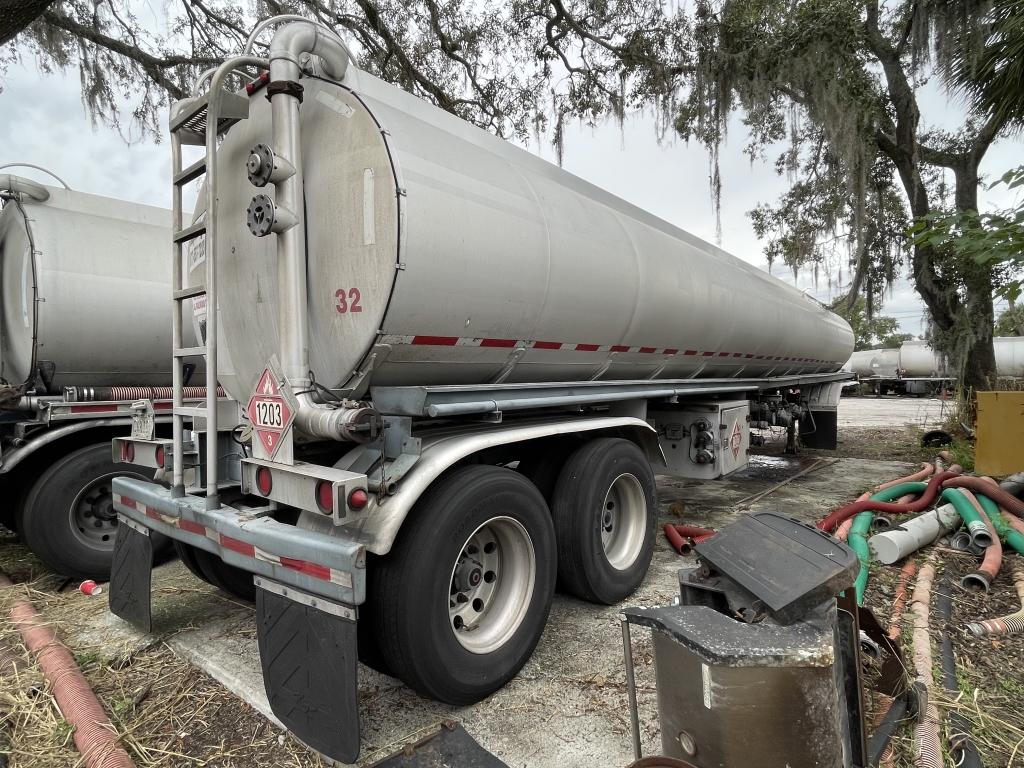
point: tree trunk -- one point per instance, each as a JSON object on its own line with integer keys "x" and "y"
{"x": 15, "y": 15}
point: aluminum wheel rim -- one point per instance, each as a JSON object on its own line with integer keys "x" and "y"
{"x": 491, "y": 585}
{"x": 623, "y": 521}
{"x": 92, "y": 514}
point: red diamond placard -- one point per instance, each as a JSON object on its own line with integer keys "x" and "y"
{"x": 269, "y": 413}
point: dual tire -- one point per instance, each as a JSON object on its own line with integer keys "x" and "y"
{"x": 459, "y": 604}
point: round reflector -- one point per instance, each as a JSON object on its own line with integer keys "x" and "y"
{"x": 325, "y": 496}
{"x": 128, "y": 452}
{"x": 263, "y": 481}
{"x": 160, "y": 456}
{"x": 358, "y": 499}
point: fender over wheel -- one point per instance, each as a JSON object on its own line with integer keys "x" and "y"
{"x": 604, "y": 514}
{"x": 460, "y": 602}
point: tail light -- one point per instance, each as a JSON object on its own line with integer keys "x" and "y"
{"x": 127, "y": 453}
{"x": 325, "y": 496}
{"x": 358, "y": 499}
{"x": 160, "y": 456}
{"x": 264, "y": 482}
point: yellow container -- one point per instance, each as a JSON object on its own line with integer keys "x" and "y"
{"x": 1000, "y": 436}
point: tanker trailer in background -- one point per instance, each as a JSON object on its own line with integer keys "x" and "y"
{"x": 463, "y": 367}
{"x": 83, "y": 334}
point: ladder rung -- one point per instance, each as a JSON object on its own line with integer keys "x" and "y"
{"x": 188, "y": 293}
{"x": 191, "y": 173}
{"x": 189, "y": 351}
{"x": 190, "y": 233}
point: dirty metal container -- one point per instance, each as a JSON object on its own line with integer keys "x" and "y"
{"x": 750, "y": 665}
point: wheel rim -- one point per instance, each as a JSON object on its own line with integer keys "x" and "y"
{"x": 491, "y": 585}
{"x": 623, "y": 521}
{"x": 92, "y": 513}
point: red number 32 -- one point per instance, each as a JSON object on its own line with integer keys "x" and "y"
{"x": 347, "y": 300}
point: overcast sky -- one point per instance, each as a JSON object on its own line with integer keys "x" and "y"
{"x": 43, "y": 121}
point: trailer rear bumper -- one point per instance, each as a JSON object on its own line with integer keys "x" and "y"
{"x": 333, "y": 567}
{"x": 307, "y": 587}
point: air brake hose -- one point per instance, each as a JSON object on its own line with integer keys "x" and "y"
{"x": 925, "y": 500}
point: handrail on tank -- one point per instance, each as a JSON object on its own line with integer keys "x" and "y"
{"x": 197, "y": 89}
{"x": 47, "y": 171}
{"x": 11, "y": 184}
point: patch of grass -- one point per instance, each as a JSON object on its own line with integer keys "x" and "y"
{"x": 963, "y": 453}
{"x": 87, "y": 658}
{"x": 62, "y": 733}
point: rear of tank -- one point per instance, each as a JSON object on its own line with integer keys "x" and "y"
{"x": 85, "y": 284}
{"x": 440, "y": 254}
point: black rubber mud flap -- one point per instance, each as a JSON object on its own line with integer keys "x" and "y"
{"x": 451, "y": 745}
{"x": 131, "y": 575}
{"x": 309, "y": 655}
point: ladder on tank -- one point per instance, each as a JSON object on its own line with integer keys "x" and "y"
{"x": 200, "y": 121}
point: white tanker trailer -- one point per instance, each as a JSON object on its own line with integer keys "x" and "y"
{"x": 83, "y": 334}
{"x": 915, "y": 368}
{"x": 463, "y": 367}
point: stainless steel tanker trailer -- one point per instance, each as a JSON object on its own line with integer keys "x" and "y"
{"x": 462, "y": 369}
{"x": 83, "y": 334}
{"x": 914, "y": 368}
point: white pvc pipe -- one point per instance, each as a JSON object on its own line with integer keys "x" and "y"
{"x": 893, "y": 545}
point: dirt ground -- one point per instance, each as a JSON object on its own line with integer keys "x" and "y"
{"x": 567, "y": 707}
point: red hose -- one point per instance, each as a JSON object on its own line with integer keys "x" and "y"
{"x": 683, "y": 537}
{"x": 989, "y": 568}
{"x": 1007, "y": 501}
{"x": 694, "y": 531}
{"x": 94, "y": 735}
{"x": 926, "y": 471}
{"x": 923, "y": 501}
{"x": 907, "y": 572}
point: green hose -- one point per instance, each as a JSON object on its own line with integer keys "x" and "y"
{"x": 972, "y": 520}
{"x": 1007, "y": 535}
{"x": 858, "y": 537}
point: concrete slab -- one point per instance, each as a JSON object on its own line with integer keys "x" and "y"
{"x": 568, "y": 705}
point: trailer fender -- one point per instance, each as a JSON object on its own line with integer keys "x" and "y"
{"x": 13, "y": 458}
{"x": 378, "y": 529}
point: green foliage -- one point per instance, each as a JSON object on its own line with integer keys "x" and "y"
{"x": 869, "y": 331}
{"x": 994, "y": 239}
{"x": 1011, "y": 322}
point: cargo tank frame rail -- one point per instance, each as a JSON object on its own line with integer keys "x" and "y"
{"x": 513, "y": 485}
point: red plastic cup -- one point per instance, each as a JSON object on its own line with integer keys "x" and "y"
{"x": 90, "y": 587}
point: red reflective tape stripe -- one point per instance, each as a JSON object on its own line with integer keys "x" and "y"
{"x": 707, "y": 354}
{"x": 497, "y": 342}
{"x": 690, "y": 352}
{"x": 93, "y": 408}
{"x": 128, "y": 501}
{"x": 748, "y": 355}
{"x": 164, "y": 406}
{"x": 587, "y": 347}
{"x": 670, "y": 351}
{"x": 310, "y": 569}
{"x": 237, "y": 546}
{"x": 648, "y": 350}
{"x": 547, "y": 345}
{"x": 723, "y": 354}
{"x": 737, "y": 354}
{"x": 152, "y": 514}
{"x": 188, "y": 525}
{"x": 436, "y": 341}
{"x": 619, "y": 348}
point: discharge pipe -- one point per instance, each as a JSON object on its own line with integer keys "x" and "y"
{"x": 893, "y": 545}
{"x": 94, "y": 734}
{"x": 350, "y": 421}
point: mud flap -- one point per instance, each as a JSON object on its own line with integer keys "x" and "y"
{"x": 131, "y": 575}
{"x": 308, "y": 654}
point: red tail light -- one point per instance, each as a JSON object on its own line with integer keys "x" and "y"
{"x": 325, "y": 496}
{"x": 160, "y": 456}
{"x": 127, "y": 453}
{"x": 264, "y": 482}
{"x": 358, "y": 499}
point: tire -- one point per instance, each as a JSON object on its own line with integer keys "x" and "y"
{"x": 211, "y": 569}
{"x": 605, "y": 514}
{"x": 68, "y": 516}
{"x": 486, "y": 532}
